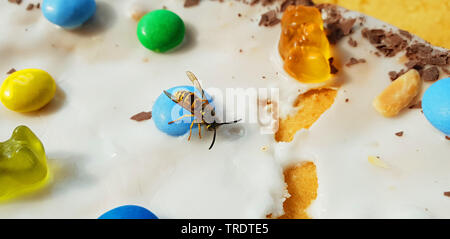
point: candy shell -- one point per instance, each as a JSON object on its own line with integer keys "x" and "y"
{"x": 436, "y": 105}
{"x": 165, "y": 110}
{"x": 160, "y": 30}
{"x": 128, "y": 212}
{"x": 27, "y": 90}
{"x": 68, "y": 13}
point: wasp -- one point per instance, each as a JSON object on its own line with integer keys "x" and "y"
{"x": 199, "y": 108}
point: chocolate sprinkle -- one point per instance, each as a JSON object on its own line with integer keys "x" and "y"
{"x": 191, "y": 3}
{"x": 12, "y": 70}
{"x": 431, "y": 74}
{"x": 142, "y": 116}
{"x": 399, "y": 134}
{"x": 30, "y": 7}
{"x": 354, "y": 61}
{"x": 269, "y": 19}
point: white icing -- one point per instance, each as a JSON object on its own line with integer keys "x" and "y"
{"x": 100, "y": 159}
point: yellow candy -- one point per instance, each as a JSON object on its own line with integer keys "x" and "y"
{"x": 27, "y": 90}
{"x": 304, "y": 46}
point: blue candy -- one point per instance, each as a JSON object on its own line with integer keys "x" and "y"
{"x": 436, "y": 105}
{"x": 165, "y": 110}
{"x": 128, "y": 212}
{"x": 68, "y": 13}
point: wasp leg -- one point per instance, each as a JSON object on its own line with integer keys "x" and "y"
{"x": 184, "y": 116}
{"x": 199, "y": 130}
{"x": 190, "y": 130}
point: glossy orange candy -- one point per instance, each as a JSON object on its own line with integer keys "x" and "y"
{"x": 304, "y": 46}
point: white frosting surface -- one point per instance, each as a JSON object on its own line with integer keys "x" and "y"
{"x": 100, "y": 159}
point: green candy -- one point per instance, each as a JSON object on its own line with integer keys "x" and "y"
{"x": 160, "y": 30}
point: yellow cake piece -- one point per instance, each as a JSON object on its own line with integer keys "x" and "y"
{"x": 302, "y": 179}
{"x": 302, "y": 186}
{"x": 429, "y": 19}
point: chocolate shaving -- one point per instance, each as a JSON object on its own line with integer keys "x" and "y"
{"x": 422, "y": 55}
{"x": 142, "y": 116}
{"x": 191, "y": 3}
{"x": 447, "y": 194}
{"x": 352, "y": 42}
{"x": 269, "y": 19}
{"x": 333, "y": 69}
{"x": 18, "y": 2}
{"x": 394, "y": 75}
{"x": 288, "y": 3}
{"x": 336, "y": 26}
{"x": 431, "y": 74}
{"x": 417, "y": 105}
{"x": 388, "y": 43}
{"x": 399, "y": 134}
{"x": 12, "y": 70}
{"x": 354, "y": 61}
{"x": 405, "y": 34}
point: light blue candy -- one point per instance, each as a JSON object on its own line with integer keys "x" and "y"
{"x": 165, "y": 110}
{"x": 68, "y": 13}
{"x": 128, "y": 212}
{"x": 436, "y": 105}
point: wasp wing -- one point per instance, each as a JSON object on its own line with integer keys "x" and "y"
{"x": 180, "y": 103}
{"x": 196, "y": 83}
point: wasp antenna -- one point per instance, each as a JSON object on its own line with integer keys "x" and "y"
{"x": 214, "y": 139}
{"x": 231, "y": 122}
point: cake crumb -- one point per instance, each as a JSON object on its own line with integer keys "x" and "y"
{"x": 447, "y": 194}
{"x": 399, "y": 134}
{"x": 142, "y": 116}
{"x": 265, "y": 148}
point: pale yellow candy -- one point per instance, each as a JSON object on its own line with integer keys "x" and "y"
{"x": 27, "y": 90}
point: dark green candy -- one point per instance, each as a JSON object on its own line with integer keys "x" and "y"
{"x": 160, "y": 30}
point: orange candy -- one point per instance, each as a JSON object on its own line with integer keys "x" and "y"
{"x": 304, "y": 46}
